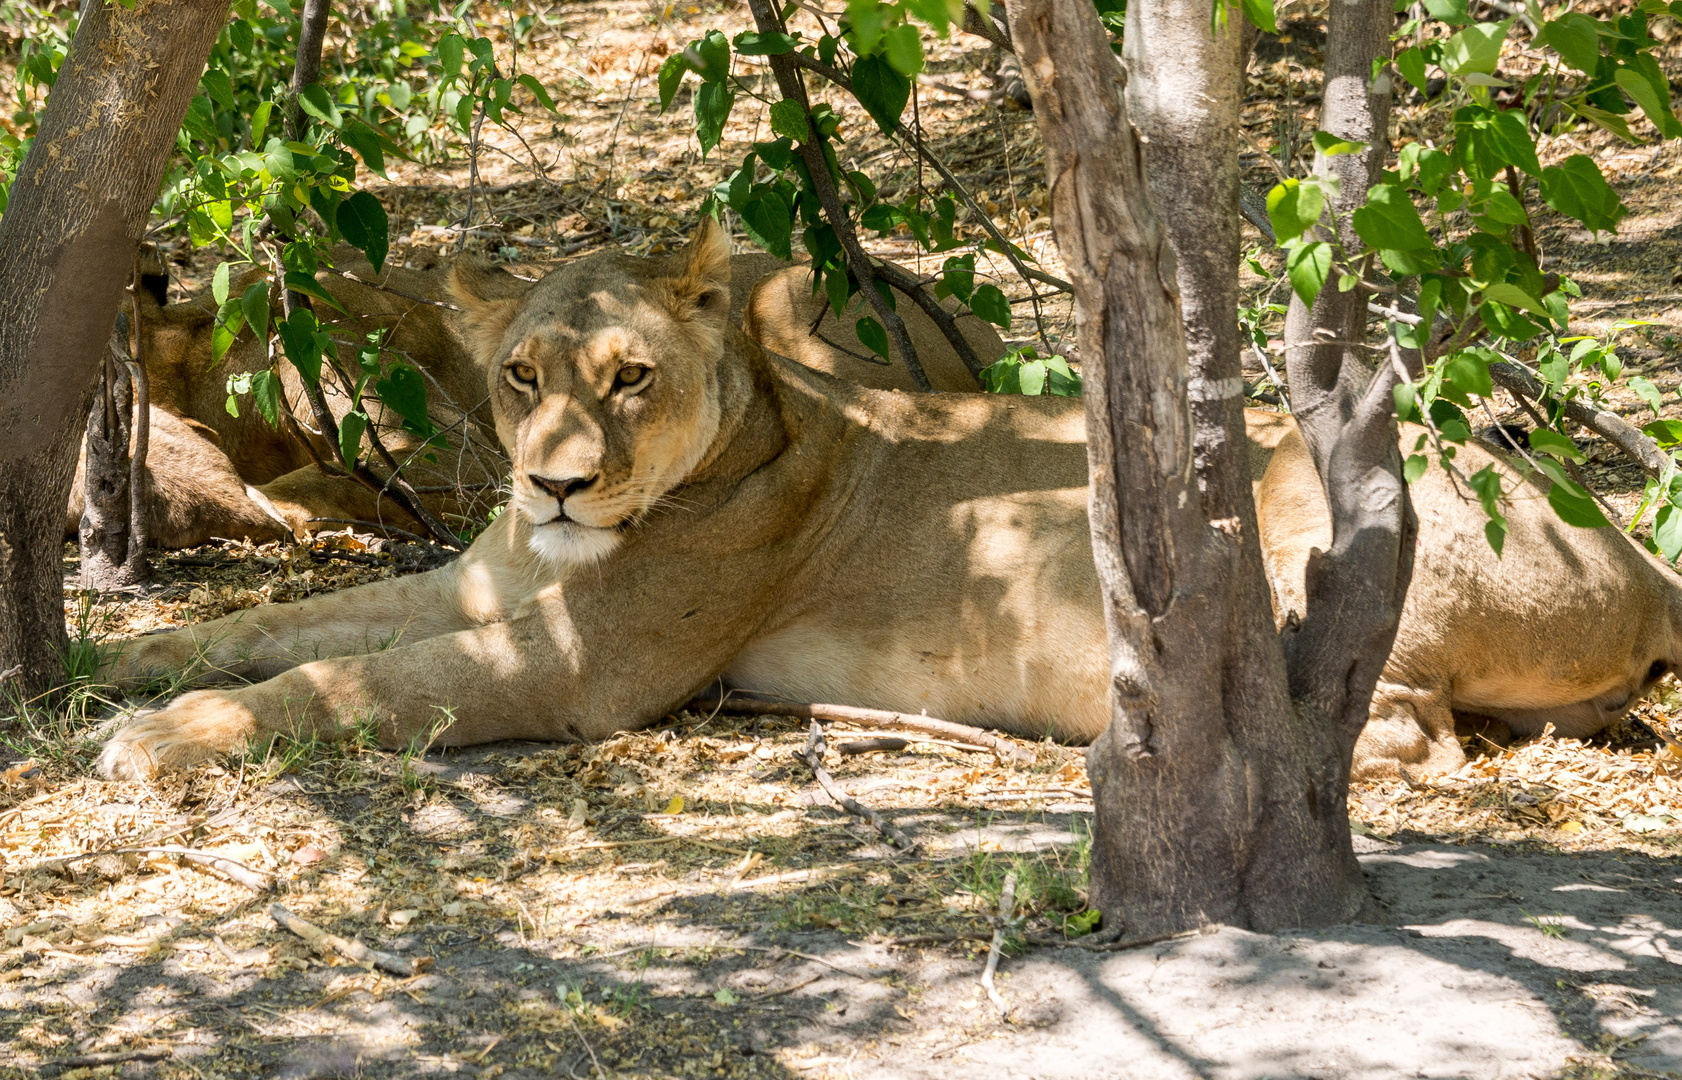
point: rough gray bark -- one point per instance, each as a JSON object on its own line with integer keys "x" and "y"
{"x": 67, "y": 240}
{"x": 113, "y": 485}
{"x": 1344, "y": 408}
{"x": 1216, "y": 800}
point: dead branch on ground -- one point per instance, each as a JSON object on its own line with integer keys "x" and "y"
{"x": 814, "y": 761}
{"x": 1004, "y": 749}
{"x": 323, "y": 942}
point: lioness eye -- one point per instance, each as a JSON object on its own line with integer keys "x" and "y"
{"x": 631, "y": 376}
{"x": 524, "y": 375}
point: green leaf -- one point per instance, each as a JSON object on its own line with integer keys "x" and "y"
{"x": 1308, "y": 266}
{"x": 1487, "y": 483}
{"x": 714, "y": 52}
{"x": 1652, "y": 102}
{"x": 366, "y": 142}
{"x": 904, "y": 49}
{"x": 875, "y": 338}
{"x": 537, "y": 91}
{"x": 219, "y": 283}
{"x": 768, "y": 223}
{"x": 1507, "y": 293}
{"x": 404, "y": 391}
{"x": 1452, "y": 12}
{"x": 1575, "y": 509}
{"x": 254, "y": 305}
{"x": 1476, "y": 49}
{"x": 750, "y": 43}
{"x": 788, "y": 119}
{"x": 991, "y": 304}
{"x": 670, "y": 78}
{"x": 1612, "y": 122}
{"x": 1260, "y": 15}
{"x": 1647, "y": 392}
{"x": 1576, "y": 39}
{"x": 1667, "y": 531}
{"x": 351, "y": 428}
{"x": 1389, "y": 220}
{"x": 451, "y": 48}
{"x": 958, "y": 274}
{"x": 1552, "y": 442}
{"x": 1411, "y": 64}
{"x": 1666, "y": 433}
{"x": 1414, "y": 467}
{"x": 307, "y": 285}
{"x": 316, "y": 101}
{"x": 1293, "y": 206}
{"x": 302, "y": 341}
{"x": 363, "y": 222}
{"x": 219, "y": 87}
{"x": 713, "y": 102}
{"x": 1333, "y": 145}
{"x": 882, "y": 91}
{"x": 1031, "y": 378}
{"x": 1576, "y": 189}
{"x": 265, "y": 390}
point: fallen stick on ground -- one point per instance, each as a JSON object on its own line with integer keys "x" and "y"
{"x": 255, "y": 880}
{"x": 872, "y": 746}
{"x": 814, "y": 761}
{"x": 869, "y": 718}
{"x": 1007, "y": 908}
{"x": 321, "y": 941}
{"x": 1087, "y": 943}
{"x": 117, "y": 1057}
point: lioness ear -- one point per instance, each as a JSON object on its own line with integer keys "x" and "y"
{"x": 701, "y": 273}
{"x": 486, "y": 308}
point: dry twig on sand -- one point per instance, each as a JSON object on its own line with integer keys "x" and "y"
{"x": 1007, "y": 908}
{"x": 814, "y": 760}
{"x": 116, "y": 1057}
{"x": 255, "y": 880}
{"x": 323, "y": 942}
{"x": 880, "y": 719}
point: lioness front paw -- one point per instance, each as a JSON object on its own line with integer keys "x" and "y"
{"x": 193, "y": 728}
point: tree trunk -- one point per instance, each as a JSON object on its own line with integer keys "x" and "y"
{"x": 109, "y": 499}
{"x": 1216, "y": 800}
{"x": 67, "y": 241}
{"x": 1346, "y": 412}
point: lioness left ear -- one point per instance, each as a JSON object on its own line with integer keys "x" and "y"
{"x": 701, "y": 273}
{"x": 485, "y": 314}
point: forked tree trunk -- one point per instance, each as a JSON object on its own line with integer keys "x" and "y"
{"x": 1346, "y": 411}
{"x": 67, "y": 240}
{"x": 1218, "y": 799}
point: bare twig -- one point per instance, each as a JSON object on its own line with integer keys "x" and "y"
{"x": 1092, "y": 945}
{"x": 255, "y": 880}
{"x": 814, "y": 761}
{"x": 374, "y": 526}
{"x": 1609, "y": 426}
{"x": 600, "y": 1075}
{"x": 323, "y": 942}
{"x": 1007, "y": 909}
{"x": 872, "y": 746}
{"x": 10, "y": 673}
{"x": 150, "y": 1053}
{"x": 871, "y": 718}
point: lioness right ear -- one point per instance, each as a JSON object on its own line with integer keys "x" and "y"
{"x": 486, "y": 308}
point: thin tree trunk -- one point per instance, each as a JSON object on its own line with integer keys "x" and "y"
{"x": 1214, "y": 800}
{"x": 103, "y": 535}
{"x": 1344, "y": 408}
{"x": 789, "y": 84}
{"x": 76, "y": 211}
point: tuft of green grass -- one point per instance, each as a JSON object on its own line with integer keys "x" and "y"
{"x": 1553, "y": 927}
{"x": 1051, "y": 882}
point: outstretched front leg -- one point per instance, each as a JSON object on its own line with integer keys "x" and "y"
{"x": 531, "y": 677}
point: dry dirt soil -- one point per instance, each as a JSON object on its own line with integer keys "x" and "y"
{"x": 685, "y": 901}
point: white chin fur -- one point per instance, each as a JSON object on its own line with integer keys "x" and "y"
{"x": 565, "y": 544}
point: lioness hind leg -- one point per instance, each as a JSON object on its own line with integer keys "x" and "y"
{"x": 1409, "y": 730}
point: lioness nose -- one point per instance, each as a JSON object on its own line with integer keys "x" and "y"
{"x": 561, "y": 489}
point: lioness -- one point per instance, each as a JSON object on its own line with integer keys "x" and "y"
{"x": 1568, "y": 626}
{"x": 686, "y": 506}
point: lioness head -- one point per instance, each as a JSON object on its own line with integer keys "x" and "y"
{"x": 604, "y": 383}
